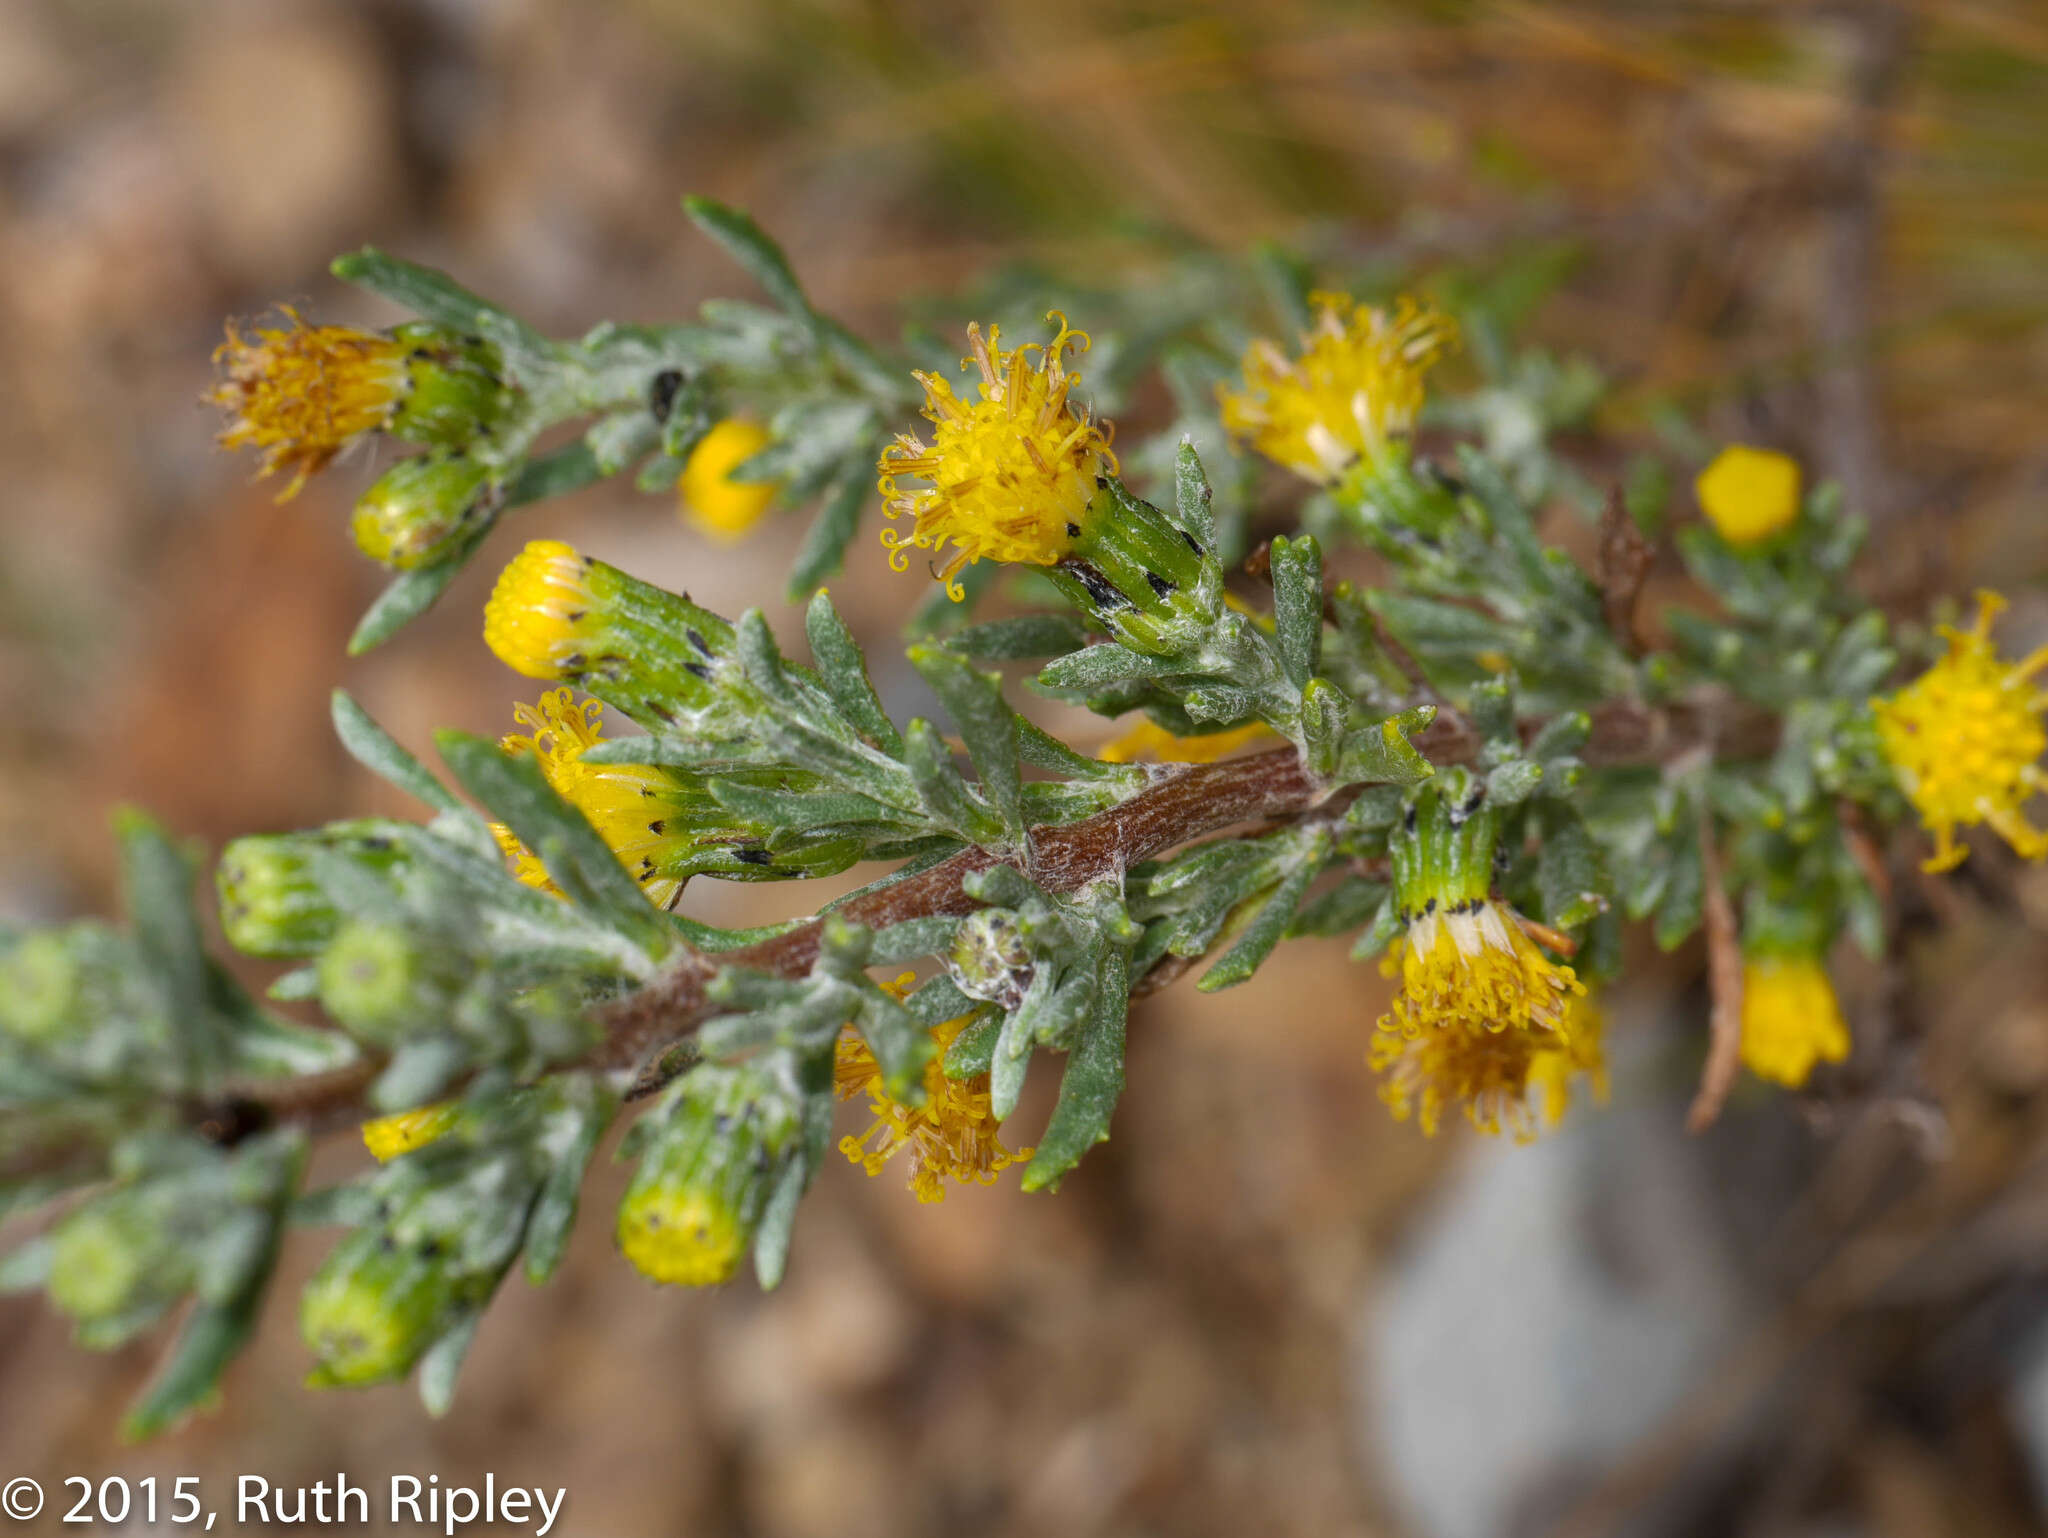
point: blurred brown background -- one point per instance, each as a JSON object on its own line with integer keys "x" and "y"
{"x": 1264, "y": 1308}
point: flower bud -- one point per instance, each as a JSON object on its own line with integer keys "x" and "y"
{"x": 41, "y": 986}
{"x": 380, "y": 984}
{"x": 455, "y": 391}
{"x": 420, "y": 507}
{"x": 270, "y": 904}
{"x": 711, "y": 499}
{"x": 372, "y": 1308}
{"x": 556, "y": 613}
{"x": 708, "y": 1158}
{"x": 1139, "y": 574}
{"x": 111, "y": 1259}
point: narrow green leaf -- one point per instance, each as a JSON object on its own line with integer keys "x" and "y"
{"x": 748, "y": 244}
{"x": 1271, "y": 922}
{"x": 1093, "y": 1082}
{"x": 844, "y": 671}
{"x": 1019, "y": 637}
{"x": 190, "y": 1376}
{"x": 1192, "y": 499}
{"x": 838, "y": 520}
{"x": 517, "y": 793}
{"x": 379, "y": 752}
{"x": 987, "y": 725}
{"x": 1298, "y": 606}
{"x": 442, "y": 1364}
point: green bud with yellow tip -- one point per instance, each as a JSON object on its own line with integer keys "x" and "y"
{"x": 374, "y": 1307}
{"x": 380, "y": 983}
{"x": 710, "y": 1153}
{"x": 421, "y": 508}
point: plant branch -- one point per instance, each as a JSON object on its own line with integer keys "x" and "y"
{"x": 1183, "y": 803}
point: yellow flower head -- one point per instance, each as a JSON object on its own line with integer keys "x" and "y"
{"x": 1749, "y": 494}
{"x": 953, "y": 1133}
{"x": 1581, "y": 1051}
{"x": 534, "y": 613}
{"x": 303, "y": 393}
{"x": 1965, "y": 741}
{"x": 1356, "y": 383}
{"x": 1152, "y": 741}
{"x": 1471, "y": 966}
{"x": 1517, "y": 1081}
{"x": 681, "y": 1234}
{"x": 1790, "y": 1019}
{"x": 623, "y": 802}
{"x": 1009, "y": 475}
{"x": 389, "y": 1136}
{"x": 722, "y": 507}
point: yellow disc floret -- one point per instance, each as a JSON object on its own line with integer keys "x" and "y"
{"x": 1965, "y": 741}
{"x": 1485, "y": 1072}
{"x": 715, "y": 503}
{"x": 302, "y": 393}
{"x": 1472, "y": 966}
{"x": 1582, "y": 1050}
{"x": 1790, "y": 1019}
{"x": 1356, "y": 383}
{"x": 681, "y": 1234}
{"x": 954, "y": 1133}
{"x": 621, "y": 801}
{"x": 533, "y": 617}
{"x": 1749, "y": 495}
{"x": 389, "y": 1136}
{"x": 1009, "y": 474}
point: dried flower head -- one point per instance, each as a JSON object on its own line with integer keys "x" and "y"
{"x": 1965, "y": 741}
{"x": 1008, "y": 475}
{"x": 302, "y": 393}
{"x": 954, "y": 1133}
{"x": 1356, "y": 383}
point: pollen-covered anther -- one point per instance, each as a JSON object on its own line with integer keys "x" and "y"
{"x": 301, "y": 394}
{"x": 1356, "y": 383}
{"x": 1965, "y": 741}
{"x": 536, "y": 617}
{"x": 1008, "y": 474}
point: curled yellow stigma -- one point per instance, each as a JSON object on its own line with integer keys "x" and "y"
{"x": 1008, "y": 475}
{"x": 623, "y": 802}
{"x": 1790, "y": 1019}
{"x": 722, "y": 507}
{"x": 302, "y": 393}
{"x": 1965, "y": 740}
{"x": 1749, "y": 495}
{"x": 683, "y": 1235}
{"x": 1149, "y": 740}
{"x": 1356, "y": 382}
{"x": 535, "y": 612}
{"x": 1472, "y": 966}
{"x": 389, "y": 1136}
{"x": 954, "y": 1133}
